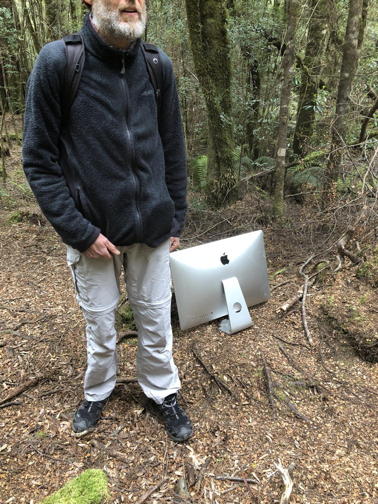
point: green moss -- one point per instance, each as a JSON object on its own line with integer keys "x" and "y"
{"x": 16, "y": 216}
{"x": 125, "y": 316}
{"x": 368, "y": 270}
{"x": 355, "y": 314}
{"x": 331, "y": 300}
{"x": 91, "y": 487}
{"x": 363, "y": 299}
{"x": 40, "y": 434}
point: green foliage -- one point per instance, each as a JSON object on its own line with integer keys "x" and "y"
{"x": 199, "y": 172}
{"x": 368, "y": 270}
{"x": 9, "y": 85}
{"x": 91, "y": 487}
{"x": 264, "y": 163}
{"x": 308, "y": 173}
{"x": 15, "y": 217}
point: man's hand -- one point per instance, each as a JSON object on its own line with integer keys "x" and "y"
{"x": 174, "y": 244}
{"x": 102, "y": 247}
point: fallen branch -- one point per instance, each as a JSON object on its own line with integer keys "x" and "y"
{"x": 293, "y": 300}
{"x": 269, "y": 385}
{"x": 304, "y": 296}
{"x": 237, "y": 480}
{"x": 294, "y": 409}
{"x": 222, "y": 386}
{"x": 127, "y": 335}
{"x": 290, "y": 302}
{"x": 292, "y": 362}
{"x": 22, "y": 388}
{"x": 12, "y": 403}
{"x": 288, "y": 482}
{"x": 44, "y": 318}
{"x": 46, "y": 455}
{"x": 291, "y": 342}
{"x": 339, "y": 263}
{"x": 126, "y": 381}
{"x": 280, "y": 285}
{"x": 344, "y": 252}
{"x": 112, "y": 453}
{"x": 148, "y": 494}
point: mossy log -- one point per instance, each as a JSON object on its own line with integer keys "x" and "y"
{"x": 91, "y": 487}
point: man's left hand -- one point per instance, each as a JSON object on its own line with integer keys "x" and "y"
{"x": 174, "y": 244}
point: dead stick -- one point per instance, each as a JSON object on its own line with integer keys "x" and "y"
{"x": 304, "y": 296}
{"x": 44, "y": 318}
{"x": 346, "y": 253}
{"x": 19, "y": 390}
{"x": 339, "y": 263}
{"x": 237, "y": 480}
{"x": 292, "y": 362}
{"x": 294, "y": 409}
{"x": 293, "y": 300}
{"x": 12, "y": 403}
{"x": 127, "y": 335}
{"x": 269, "y": 384}
{"x": 291, "y": 342}
{"x": 126, "y": 380}
{"x": 112, "y": 453}
{"x": 280, "y": 285}
{"x": 148, "y": 494}
{"x": 288, "y": 482}
{"x": 304, "y": 317}
{"x": 290, "y": 302}
{"x": 218, "y": 381}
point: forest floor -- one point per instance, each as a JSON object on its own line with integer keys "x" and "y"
{"x": 267, "y": 397}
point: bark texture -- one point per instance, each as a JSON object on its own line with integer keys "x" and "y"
{"x": 348, "y": 70}
{"x": 207, "y": 20}
{"x": 287, "y": 69}
{"x": 311, "y": 70}
{"x": 254, "y": 87}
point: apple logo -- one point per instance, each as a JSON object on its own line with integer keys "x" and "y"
{"x": 224, "y": 259}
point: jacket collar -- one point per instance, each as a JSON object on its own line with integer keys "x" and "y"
{"x": 96, "y": 45}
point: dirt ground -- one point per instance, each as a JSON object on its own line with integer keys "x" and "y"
{"x": 268, "y": 397}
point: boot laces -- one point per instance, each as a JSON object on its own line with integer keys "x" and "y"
{"x": 173, "y": 406}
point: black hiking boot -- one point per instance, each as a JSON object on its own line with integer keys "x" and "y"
{"x": 176, "y": 422}
{"x": 87, "y": 415}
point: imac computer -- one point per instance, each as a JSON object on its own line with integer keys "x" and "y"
{"x": 220, "y": 278}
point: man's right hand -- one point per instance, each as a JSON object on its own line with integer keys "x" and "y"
{"x": 102, "y": 247}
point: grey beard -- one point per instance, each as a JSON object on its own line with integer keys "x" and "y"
{"x": 107, "y": 22}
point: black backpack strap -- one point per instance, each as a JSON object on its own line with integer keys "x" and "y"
{"x": 155, "y": 69}
{"x": 75, "y": 59}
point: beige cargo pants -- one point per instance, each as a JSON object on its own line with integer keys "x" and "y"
{"x": 97, "y": 284}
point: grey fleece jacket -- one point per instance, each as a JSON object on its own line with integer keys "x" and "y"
{"x": 128, "y": 164}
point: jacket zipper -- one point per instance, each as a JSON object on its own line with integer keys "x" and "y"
{"x": 139, "y": 222}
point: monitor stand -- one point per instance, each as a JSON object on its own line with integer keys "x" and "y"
{"x": 238, "y": 313}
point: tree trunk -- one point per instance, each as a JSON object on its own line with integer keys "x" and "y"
{"x": 54, "y": 18}
{"x": 287, "y": 68}
{"x": 207, "y": 20}
{"x": 364, "y": 15}
{"x": 7, "y": 60}
{"x": 347, "y": 73}
{"x": 310, "y": 76}
{"x": 369, "y": 114}
{"x": 254, "y": 86}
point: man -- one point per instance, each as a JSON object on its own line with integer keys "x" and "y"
{"x": 112, "y": 181}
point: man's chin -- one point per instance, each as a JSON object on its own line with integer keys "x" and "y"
{"x": 131, "y": 30}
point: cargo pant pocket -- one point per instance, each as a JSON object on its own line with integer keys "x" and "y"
{"x": 73, "y": 261}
